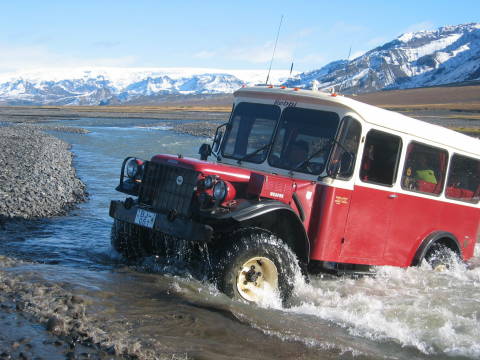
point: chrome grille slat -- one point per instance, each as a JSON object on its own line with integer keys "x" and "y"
{"x": 160, "y": 189}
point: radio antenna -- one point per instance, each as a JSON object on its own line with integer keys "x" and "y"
{"x": 274, "y": 48}
{"x": 346, "y": 63}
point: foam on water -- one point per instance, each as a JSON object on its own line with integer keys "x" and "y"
{"x": 157, "y": 127}
{"x": 434, "y": 312}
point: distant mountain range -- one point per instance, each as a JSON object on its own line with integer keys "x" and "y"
{"x": 448, "y": 55}
{"x": 107, "y": 86}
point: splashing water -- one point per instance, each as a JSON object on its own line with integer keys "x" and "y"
{"x": 414, "y": 307}
{"x": 398, "y": 313}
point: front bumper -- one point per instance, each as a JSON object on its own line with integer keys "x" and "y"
{"x": 179, "y": 227}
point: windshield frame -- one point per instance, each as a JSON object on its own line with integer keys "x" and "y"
{"x": 264, "y": 165}
{"x": 330, "y": 140}
{"x": 269, "y": 142}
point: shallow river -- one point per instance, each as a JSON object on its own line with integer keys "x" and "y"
{"x": 152, "y": 312}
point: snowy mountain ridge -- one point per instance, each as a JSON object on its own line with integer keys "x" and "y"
{"x": 94, "y": 86}
{"x": 450, "y": 54}
{"x": 447, "y": 55}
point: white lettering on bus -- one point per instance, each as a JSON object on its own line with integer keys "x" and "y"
{"x": 285, "y": 103}
{"x": 277, "y": 195}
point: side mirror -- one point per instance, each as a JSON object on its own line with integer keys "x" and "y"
{"x": 205, "y": 151}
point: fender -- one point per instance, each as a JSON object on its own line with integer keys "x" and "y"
{"x": 445, "y": 237}
{"x": 276, "y": 217}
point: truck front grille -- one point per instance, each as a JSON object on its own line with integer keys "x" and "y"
{"x": 168, "y": 188}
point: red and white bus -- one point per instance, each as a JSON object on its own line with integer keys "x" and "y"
{"x": 308, "y": 177}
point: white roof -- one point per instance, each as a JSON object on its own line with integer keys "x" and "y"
{"x": 371, "y": 114}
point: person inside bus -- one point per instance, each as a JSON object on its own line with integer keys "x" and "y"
{"x": 298, "y": 153}
{"x": 423, "y": 171}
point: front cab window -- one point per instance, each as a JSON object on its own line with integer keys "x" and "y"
{"x": 304, "y": 140}
{"x": 250, "y": 132}
{"x": 344, "y": 154}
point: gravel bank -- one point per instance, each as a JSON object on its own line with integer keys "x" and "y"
{"x": 44, "y": 320}
{"x": 58, "y": 128}
{"x": 37, "y": 178}
{"x": 198, "y": 128}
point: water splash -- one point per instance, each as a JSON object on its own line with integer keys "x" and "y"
{"x": 414, "y": 307}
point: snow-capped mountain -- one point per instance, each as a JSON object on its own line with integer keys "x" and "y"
{"x": 93, "y": 86}
{"x": 448, "y": 55}
{"x": 426, "y": 58}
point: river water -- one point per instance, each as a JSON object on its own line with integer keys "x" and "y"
{"x": 151, "y": 311}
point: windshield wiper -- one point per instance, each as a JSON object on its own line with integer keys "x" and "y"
{"x": 307, "y": 160}
{"x": 248, "y": 156}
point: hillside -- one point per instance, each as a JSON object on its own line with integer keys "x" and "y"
{"x": 450, "y": 54}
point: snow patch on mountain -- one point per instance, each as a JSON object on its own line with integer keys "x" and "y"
{"x": 92, "y": 86}
{"x": 424, "y": 58}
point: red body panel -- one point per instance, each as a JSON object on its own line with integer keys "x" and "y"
{"x": 364, "y": 226}
{"x": 385, "y": 228}
{"x": 327, "y": 227}
{"x": 227, "y": 172}
{"x": 416, "y": 217}
{"x": 367, "y": 227}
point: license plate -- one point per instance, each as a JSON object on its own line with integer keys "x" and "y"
{"x": 145, "y": 218}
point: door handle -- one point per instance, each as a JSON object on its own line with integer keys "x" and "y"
{"x": 392, "y": 196}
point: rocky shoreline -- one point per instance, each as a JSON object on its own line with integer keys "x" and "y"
{"x": 37, "y": 178}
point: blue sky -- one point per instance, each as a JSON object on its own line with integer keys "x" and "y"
{"x": 214, "y": 34}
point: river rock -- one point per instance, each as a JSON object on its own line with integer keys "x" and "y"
{"x": 37, "y": 178}
{"x": 55, "y": 325}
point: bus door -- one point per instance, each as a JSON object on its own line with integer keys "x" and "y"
{"x": 372, "y": 203}
{"x": 424, "y": 173}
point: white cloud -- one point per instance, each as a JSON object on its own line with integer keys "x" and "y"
{"x": 16, "y": 58}
{"x": 424, "y": 25}
{"x": 357, "y": 53}
{"x": 315, "y": 58}
{"x": 204, "y": 54}
{"x": 348, "y": 28}
{"x": 261, "y": 53}
{"x": 303, "y": 33}
{"x": 377, "y": 41}
{"x": 106, "y": 44}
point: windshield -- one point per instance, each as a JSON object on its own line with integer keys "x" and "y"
{"x": 250, "y": 130}
{"x": 304, "y": 140}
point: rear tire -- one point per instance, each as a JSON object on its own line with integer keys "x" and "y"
{"x": 254, "y": 264}
{"x": 441, "y": 257}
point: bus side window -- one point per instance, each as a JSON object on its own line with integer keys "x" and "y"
{"x": 380, "y": 158}
{"x": 425, "y": 169}
{"x": 463, "y": 179}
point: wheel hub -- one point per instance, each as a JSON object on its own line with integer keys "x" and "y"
{"x": 252, "y": 275}
{"x": 257, "y": 279}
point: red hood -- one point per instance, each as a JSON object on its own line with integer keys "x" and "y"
{"x": 226, "y": 172}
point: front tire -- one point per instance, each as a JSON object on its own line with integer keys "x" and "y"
{"x": 126, "y": 239}
{"x": 255, "y": 266}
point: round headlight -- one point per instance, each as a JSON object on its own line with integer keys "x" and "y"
{"x": 220, "y": 191}
{"x": 132, "y": 168}
{"x": 209, "y": 182}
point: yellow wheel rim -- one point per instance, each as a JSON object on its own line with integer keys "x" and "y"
{"x": 257, "y": 279}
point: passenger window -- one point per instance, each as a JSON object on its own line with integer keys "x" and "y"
{"x": 345, "y": 151}
{"x": 425, "y": 169}
{"x": 380, "y": 158}
{"x": 464, "y": 179}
